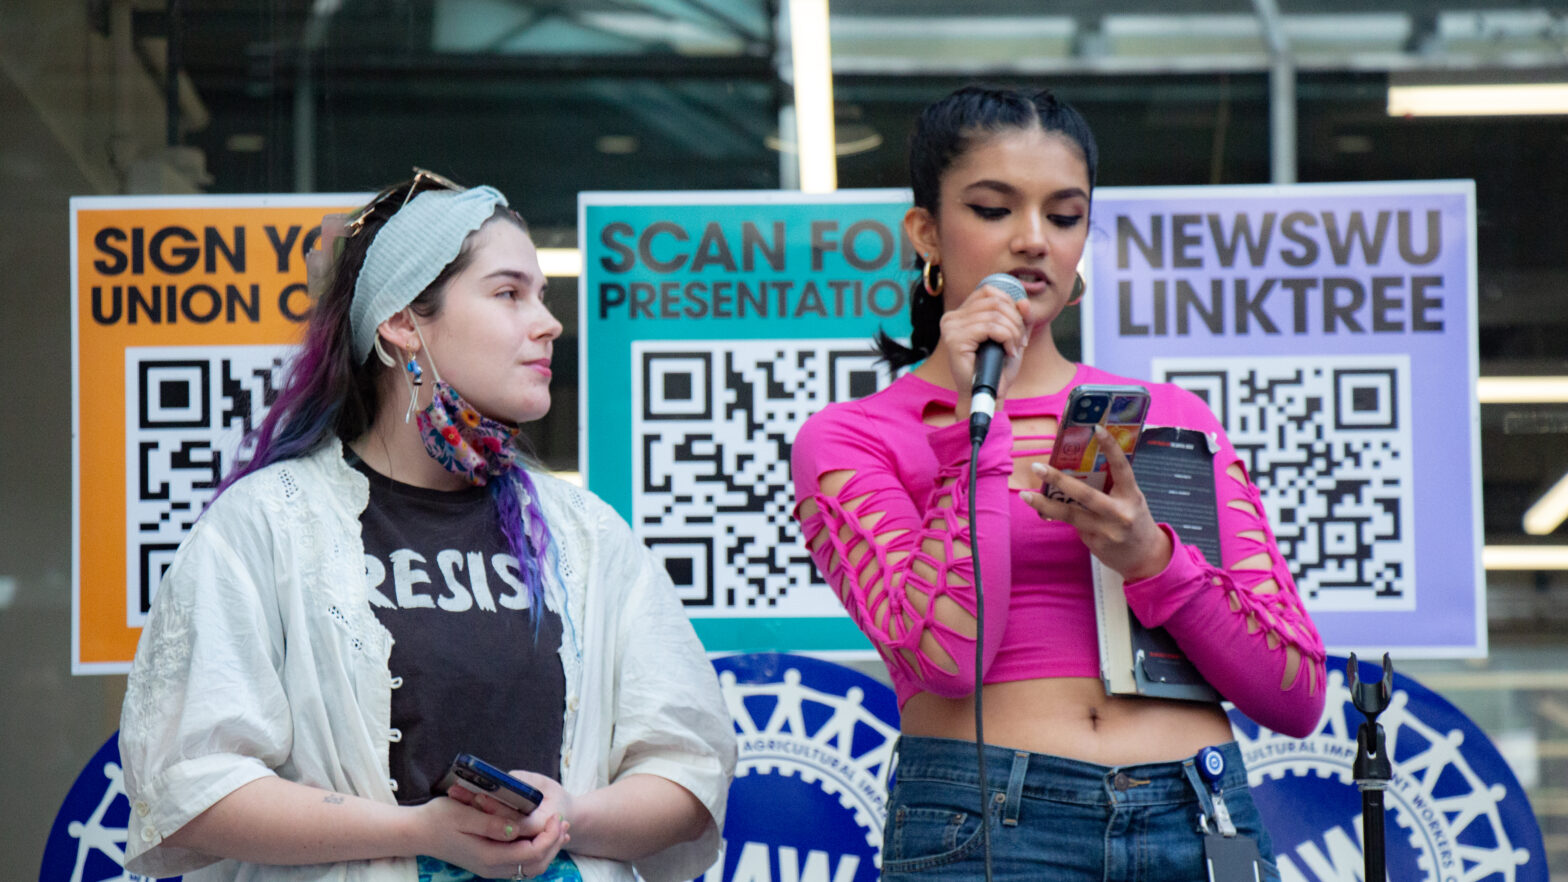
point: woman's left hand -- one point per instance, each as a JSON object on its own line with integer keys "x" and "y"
{"x": 1116, "y": 525}
{"x": 557, "y": 804}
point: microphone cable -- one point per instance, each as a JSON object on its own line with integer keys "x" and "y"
{"x": 989, "y": 362}
{"x": 974, "y": 560}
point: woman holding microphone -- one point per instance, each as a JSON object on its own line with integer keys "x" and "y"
{"x": 1079, "y": 785}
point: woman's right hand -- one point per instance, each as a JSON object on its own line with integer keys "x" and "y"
{"x": 987, "y": 314}
{"x": 490, "y": 844}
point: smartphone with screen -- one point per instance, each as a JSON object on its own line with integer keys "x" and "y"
{"x": 1121, "y": 409}
{"x": 471, "y": 772}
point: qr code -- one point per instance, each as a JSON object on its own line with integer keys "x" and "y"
{"x": 712, "y": 424}
{"x": 1327, "y": 440}
{"x": 188, "y": 408}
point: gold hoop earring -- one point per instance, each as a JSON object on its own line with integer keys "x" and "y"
{"x": 934, "y": 290}
{"x": 1077, "y": 296}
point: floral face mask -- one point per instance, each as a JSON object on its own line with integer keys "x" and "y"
{"x": 464, "y": 441}
{"x": 459, "y": 437}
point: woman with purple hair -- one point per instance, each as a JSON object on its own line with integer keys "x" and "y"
{"x": 390, "y": 581}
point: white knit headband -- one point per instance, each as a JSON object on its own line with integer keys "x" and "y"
{"x": 410, "y": 251}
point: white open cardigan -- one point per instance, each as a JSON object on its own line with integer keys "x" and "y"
{"x": 261, "y": 656}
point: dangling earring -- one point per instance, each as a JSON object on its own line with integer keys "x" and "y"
{"x": 416, "y": 378}
{"x": 1077, "y": 295}
{"x": 933, "y": 289}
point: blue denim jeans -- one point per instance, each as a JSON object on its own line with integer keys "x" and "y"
{"x": 1052, "y": 818}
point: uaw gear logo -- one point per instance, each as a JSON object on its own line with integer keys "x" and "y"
{"x": 87, "y": 841}
{"x": 810, "y": 793}
{"x": 1458, "y": 813}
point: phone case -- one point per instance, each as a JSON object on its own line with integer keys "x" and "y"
{"x": 1121, "y": 409}
{"x": 471, "y": 772}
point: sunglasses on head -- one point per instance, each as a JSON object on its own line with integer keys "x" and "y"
{"x": 424, "y": 181}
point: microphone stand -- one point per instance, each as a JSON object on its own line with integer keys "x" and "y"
{"x": 1372, "y": 768}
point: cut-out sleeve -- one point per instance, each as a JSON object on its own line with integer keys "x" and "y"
{"x": 899, "y": 559}
{"x": 1241, "y": 622}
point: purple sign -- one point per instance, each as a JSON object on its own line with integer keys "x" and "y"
{"x": 1332, "y": 329}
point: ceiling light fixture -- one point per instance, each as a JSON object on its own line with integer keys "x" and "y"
{"x": 617, "y": 145}
{"x": 1525, "y": 557}
{"x": 1495, "y": 99}
{"x": 1548, "y": 512}
{"x": 852, "y": 139}
{"x": 561, "y": 263}
{"x": 1522, "y": 390}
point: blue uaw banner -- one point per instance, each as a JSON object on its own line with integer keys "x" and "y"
{"x": 1332, "y": 329}
{"x": 87, "y": 841}
{"x": 809, "y": 800}
{"x": 712, "y": 325}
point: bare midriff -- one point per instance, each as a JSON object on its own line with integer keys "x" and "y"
{"x": 1073, "y": 717}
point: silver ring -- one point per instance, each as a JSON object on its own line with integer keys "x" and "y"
{"x": 519, "y": 876}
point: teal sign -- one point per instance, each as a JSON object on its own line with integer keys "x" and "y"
{"x": 712, "y": 326}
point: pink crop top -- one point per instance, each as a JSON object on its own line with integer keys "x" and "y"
{"x": 893, "y": 542}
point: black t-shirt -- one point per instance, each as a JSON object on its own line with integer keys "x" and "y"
{"x": 476, "y": 678}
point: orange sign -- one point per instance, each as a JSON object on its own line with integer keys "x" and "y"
{"x": 184, "y": 313}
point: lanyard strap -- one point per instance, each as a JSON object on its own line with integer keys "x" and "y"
{"x": 1189, "y": 766}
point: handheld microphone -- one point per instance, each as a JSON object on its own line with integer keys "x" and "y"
{"x": 988, "y": 365}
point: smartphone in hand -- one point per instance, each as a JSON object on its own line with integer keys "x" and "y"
{"x": 1121, "y": 409}
{"x": 472, "y": 773}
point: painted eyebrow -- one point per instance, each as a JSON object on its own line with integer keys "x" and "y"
{"x": 518, "y": 276}
{"x": 1006, "y": 189}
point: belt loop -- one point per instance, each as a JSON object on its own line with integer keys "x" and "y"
{"x": 1015, "y": 788}
{"x": 1190, "y": 767}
